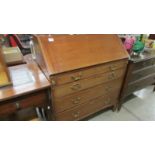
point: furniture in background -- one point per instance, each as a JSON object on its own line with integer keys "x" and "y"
{"x": 152, "y": 36}
{"x": 30, "y": 89}
{"x": 86, "y": 72}
{"x": 13, "y": 56}
{"x": 140, "y": 74}
{"x": 14, "y": 41}
{"x": 24, "y": 38}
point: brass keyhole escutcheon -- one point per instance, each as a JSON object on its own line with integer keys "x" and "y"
{"x": 76, "y": 101}
{"x": 76, "y": 86}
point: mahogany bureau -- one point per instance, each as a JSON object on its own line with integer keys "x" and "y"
{"x": 140, "y": 74}
{"x": 86, "y": 72}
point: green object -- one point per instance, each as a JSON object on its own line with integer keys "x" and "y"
{"x": 138, "y": 46}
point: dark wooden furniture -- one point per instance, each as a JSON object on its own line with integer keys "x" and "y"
{"x": 30, "y": 89}
{"x": 140, "y": 74}
{"x": 85, "y": 71}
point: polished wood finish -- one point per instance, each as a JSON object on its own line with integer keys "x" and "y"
{"x": 30, "y": 89}
{"x": 26, "y": 101}
{"x": 85, "y": 71}
{"x": 64, "y": 53}
{"x": 26, "y": 78}
{"x": 88, "y": 108}
{"x": 140, "y": 74}
{"x": 70, "y": 88}
{"x": 81, "y": 74}
{"x": 78, "y": 98}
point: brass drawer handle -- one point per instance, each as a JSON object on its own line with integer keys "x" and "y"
{"x": 112, "y": 76}
{"x": 17, "y": 104}
{"x": 76, "y": 86}
{"x": 113, "y": 67}
{"x": 76, "y": 101}
{"x": 76, "y": 78}
{"x": 76, "y": 114}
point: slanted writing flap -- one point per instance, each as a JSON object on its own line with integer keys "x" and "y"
{"x": 62, "y": 53}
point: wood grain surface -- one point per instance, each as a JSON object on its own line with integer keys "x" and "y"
{"x": 62, "y": 53}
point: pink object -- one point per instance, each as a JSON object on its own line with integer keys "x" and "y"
{"x": 129, "y": 41}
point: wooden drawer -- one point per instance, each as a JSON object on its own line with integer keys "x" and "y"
{"x": 137, "y": 85}
{"x": 81, "y": 97}
{"x": 85, "y": 73}
{"x": 137, "y": 75}
{"x": 87, "y": 109}
{"x": 70, "y": 88}
{"x": 13, "y": 105}
{"x": 143, "y": 64}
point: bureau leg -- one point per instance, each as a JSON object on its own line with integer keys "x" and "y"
{"x": 119, "y": 106}
{"x": 114, "y": 108}
{"x": 154, "y": 89}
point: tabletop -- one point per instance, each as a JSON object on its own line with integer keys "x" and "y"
{"x": 26, "y": 78}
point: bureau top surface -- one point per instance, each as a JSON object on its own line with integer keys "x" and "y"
{"x": 26, "y": 78}
{"x": 62, "y": 53}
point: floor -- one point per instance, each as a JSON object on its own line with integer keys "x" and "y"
{"x": 140, "y": 107}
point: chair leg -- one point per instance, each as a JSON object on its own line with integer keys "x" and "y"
{"x": 114, "y": 108}
{"x": 41, "y": 113}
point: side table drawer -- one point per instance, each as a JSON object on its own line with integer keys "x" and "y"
{"x": 143, "y": 64}
{"x": 32, "y": 100}
{"x": 137, "y": 75}
{"x": 135, "y": 86}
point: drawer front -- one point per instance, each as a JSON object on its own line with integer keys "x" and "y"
{"x": 87, "y": 109}
{"x": 13, "y": 105}
{"x": 140, "y": 84}
{"x": 70, "y": 88}
{"x": 81, "y": 97}
{"x": 85, "y": 73}
{"x": 143, "y": 64}
{"x": 137, "y": 75}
